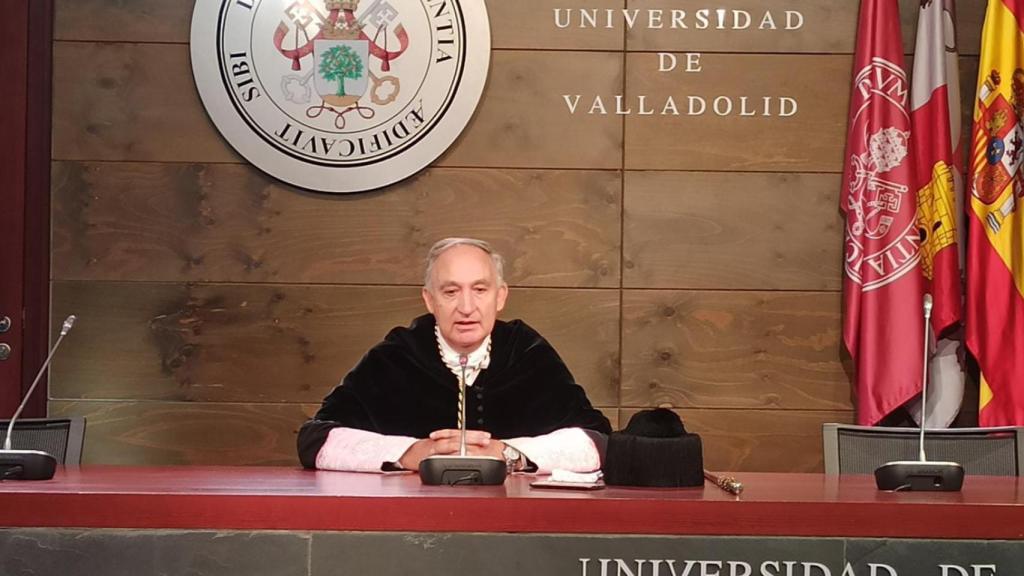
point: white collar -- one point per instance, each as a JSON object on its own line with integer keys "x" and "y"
{"x": 476, "y": 360}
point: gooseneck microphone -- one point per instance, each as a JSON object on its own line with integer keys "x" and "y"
{"x": 462, "y": 469}
{"x": 921, "y": 474}
{"x": 31, "y": 464}
{"x": 924, "y": 371}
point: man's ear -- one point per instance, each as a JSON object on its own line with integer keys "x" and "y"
{"x": 502, "y": 296}
{"x": 428, "y": 300}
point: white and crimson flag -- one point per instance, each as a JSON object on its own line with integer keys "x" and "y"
{"x": 882, "y": 282}
{"x": 935, "y": 117}
{"x": 935, "y": 121}
{"x": 995, "y": 259}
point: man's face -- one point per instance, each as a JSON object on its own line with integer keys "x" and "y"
{"x": 464, "y": 296}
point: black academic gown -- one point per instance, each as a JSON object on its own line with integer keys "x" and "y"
{"x": 401, "y": 387}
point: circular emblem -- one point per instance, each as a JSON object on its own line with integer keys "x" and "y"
{"x": 882, "y": 239}
{"x": 996, "y": 149}
{"x": 340, "y": 95}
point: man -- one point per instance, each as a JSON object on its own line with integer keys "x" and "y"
{"x": 399, "y": 404}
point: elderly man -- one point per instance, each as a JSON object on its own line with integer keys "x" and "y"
{"x": 399, "y": 404}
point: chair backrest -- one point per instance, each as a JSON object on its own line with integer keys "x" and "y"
{"x": 851, "y": 449}
{"x": 61, "y": 438}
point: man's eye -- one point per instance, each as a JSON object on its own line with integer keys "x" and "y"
{"x": 449, "y": 292}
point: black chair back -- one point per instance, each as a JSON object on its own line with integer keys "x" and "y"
{"x": 62, "y": 438}
{"x": 851, "y": 449}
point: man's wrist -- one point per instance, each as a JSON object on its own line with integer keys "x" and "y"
{"x": 514, "y": 459}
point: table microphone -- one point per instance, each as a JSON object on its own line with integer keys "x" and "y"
{"x": 921, "y": 474}
{"x": 30, "y": 464}
{"x": 462, "y": 469}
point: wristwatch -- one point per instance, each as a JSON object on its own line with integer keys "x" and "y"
{"x": 512, "y": 457}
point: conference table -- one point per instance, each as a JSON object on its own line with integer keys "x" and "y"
{"x": 283, "y": 521}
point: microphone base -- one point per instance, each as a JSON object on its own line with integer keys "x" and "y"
{"x": 26, "y": 465}
{"x": 919, "y": 475}
{"x": 462, "y": 471}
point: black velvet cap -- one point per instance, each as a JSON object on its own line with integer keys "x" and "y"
{"x": 654, "y": 450}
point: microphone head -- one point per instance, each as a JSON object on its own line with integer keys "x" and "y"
{"x": 927, "y": 302}
{"x": 68, "y": 323}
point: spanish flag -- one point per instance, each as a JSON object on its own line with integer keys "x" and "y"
{"x": 995, "y": 260}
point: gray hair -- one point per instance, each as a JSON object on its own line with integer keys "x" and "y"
{"x": 442, "y": 246}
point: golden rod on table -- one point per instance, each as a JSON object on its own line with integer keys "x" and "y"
{"x": 727, "y": 483}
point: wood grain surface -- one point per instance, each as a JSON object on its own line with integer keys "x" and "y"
{"x": 231, "y": 223}
{"x": 532, "y": 25}
{"x": 137, "y": 433}
{"x": 828, "y": 26}
{"x": 141, "y": 433}
{"x": 811, "y": 139}
{"x": 523, "y": 121}
{"x": 737, "y": 441}
{"x": 261, "y": 343}
{"x": 523, "y": 24}
{"x": 815, "y": 26}
{"x": 130, "y": 102}
{"x": 732, "y": 231}
{"x": 163, "y": 21}
{"x": 138, "y": 102}
{"x": 824, "y": 26}
{"x": 732, "y": 349}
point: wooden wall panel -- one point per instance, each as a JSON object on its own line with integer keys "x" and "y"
{"x": 731, "y": 349}
{"x": 138, "y": 102}
{"x": 968, "y": 93}
{"x": 758, "y": 440}
{"x": 260, "y": 343}
{"x": 194, "y": 433}
{"x": 530, "y": 24}
{"x": 231, "y": 223}
{"x": 176, "y": 433}
{"x": 523, "y": 24}
{"x": 130, "y": 102}
{"x": 583, "y": 325}
{"x": 612, "y": 414}
{"x": 119, "y": 21}
{"x": 523, "y": 121}
{"x": 732, "y": 231}
{"x": 811, "y": 140}
{"x": 829, "y": 27}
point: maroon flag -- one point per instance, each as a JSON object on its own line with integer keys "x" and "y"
{"x": 882, "y": 283}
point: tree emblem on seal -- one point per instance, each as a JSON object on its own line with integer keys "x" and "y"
{"x": 339, "y": 63}
{"x": 341, "y": 51}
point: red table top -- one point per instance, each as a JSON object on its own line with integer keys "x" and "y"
{"x": 247, "y": 498}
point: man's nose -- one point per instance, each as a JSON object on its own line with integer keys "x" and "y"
{"x": 464, "y": 304}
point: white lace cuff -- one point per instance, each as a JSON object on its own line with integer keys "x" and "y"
{"x": 354, "y": 450}
{"x": 565, "y": 449}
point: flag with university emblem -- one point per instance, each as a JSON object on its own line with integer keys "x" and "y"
{"x": 995, "y": 259}
{"x": 882, "y": 282}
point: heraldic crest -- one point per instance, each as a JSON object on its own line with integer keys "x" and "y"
{"x": 333, "y": 49}
{"x": 1001, "y": 150}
